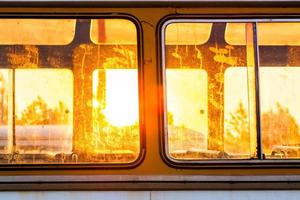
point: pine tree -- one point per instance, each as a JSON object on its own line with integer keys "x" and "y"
{"x": 237, "y": 137}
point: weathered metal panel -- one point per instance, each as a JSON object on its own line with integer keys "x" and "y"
{"x": 154, "y": 195}
{"x": 226, "y": 195}
{"x": 75, "y": 195}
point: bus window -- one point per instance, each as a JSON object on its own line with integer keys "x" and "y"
{"x": 279, "y": 74}
{"x": 207, "y": 108}
{"x": 69, "y": 91}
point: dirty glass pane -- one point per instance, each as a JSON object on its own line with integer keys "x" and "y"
{"x": 115, "y": 114}
{"x": 279, "y": 75}
{"x": 111, "y": 132}
{"x": 207, "y": 107}
{"x": 65, "y": 97}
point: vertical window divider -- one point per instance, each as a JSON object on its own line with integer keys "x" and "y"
{"x": 259, "y": 151}
{"x": 12, "y": 116}
{"x": 14, "y": 151}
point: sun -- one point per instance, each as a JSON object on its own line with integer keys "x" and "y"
{"x": 121, "y": 95}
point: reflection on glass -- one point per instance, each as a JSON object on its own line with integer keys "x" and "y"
{"x": 207, "y": 109}
{"x": 115, "y": 114}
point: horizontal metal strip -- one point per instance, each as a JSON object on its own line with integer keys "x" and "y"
{"x": 146, "y": 186}
{"x": 147, "y": 178}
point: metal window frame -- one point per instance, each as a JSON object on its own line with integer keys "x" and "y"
{"x": 260, "y": 162}
{"x": 141, "y": 97}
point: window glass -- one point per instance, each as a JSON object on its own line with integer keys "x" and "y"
{"x": 37, "y": 31}
{"x": 207, "y": 107}
{"x": 279, "y": 75}
{"x": 69, "y": 91}
{"x": 235, "y": 34}
{"x": 113, "y": 31}
{"x": 271, "y": 34}
{"x": 187, "y": 33}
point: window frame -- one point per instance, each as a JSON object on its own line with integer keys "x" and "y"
{"x": 259, "y": 162}
{"x": 142, "y": 139}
